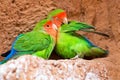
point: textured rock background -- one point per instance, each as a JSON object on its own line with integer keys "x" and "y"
{"x": 18, "y": 16}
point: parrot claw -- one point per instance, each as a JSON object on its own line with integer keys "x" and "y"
{"x": 76, "y": 57}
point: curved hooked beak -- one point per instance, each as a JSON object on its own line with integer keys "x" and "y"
{"x": 65, "y": 21}
{"x": 54, "y": 27}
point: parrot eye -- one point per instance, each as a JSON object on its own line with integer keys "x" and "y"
{"x": 69, "y": 22}
{"x": 62, "y": 23}
{"x": 47, "y": 25}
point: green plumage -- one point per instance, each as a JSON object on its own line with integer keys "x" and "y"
{"x": 54, "y": 13}
{"x": 39, "y": 25}
{"x": 35, "y": 43}
{"x": 69, "y": 44}
{"x": 75, "y": 26}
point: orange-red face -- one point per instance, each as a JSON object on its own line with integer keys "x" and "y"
{"x": 60, "y": 18}
{"x": 51, "y": 28}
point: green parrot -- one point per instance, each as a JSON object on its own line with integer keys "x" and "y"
{"x": 70, "y": 44}
{"x": 39, "y": 42}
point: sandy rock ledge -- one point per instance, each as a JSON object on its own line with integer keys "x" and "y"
{"x": 33, "y": 68}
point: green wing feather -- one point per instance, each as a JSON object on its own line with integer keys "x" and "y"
{"x": 32, "y": 42}
{"x": 74, "y": 26}
{"x": 46, "y": 52}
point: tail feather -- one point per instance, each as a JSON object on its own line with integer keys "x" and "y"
{"x": 99, "y": 33}
{"x": 8, "y": 52}
{"x": 5, "y": 54}
{"x": 11, "y": 54}
{"x": 8, "y": 55}
{"x": 98, "y": 52}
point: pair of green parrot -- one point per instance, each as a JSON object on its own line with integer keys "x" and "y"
{"x": 56, "y": 32}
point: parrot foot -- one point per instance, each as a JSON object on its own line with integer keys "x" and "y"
{"x": 76, "y": 57}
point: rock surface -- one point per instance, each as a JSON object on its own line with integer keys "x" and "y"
{"x": 33, "y": 68}
{"x": 18, "y": 16}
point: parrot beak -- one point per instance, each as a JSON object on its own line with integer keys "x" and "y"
{"x": 54, "y": 27}
{"x": 65, "y": 21}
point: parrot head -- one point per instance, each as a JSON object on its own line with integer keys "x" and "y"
{"x": 47, "y": 26}
{"x": 58, "y": 16}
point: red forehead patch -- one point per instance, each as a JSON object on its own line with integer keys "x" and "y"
{"x": 49, "y": 23}
{"x": 61, "y": 15}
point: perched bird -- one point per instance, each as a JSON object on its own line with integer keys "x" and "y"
{"x": 39, "y": 42}
{"x": 70, "y": 44}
